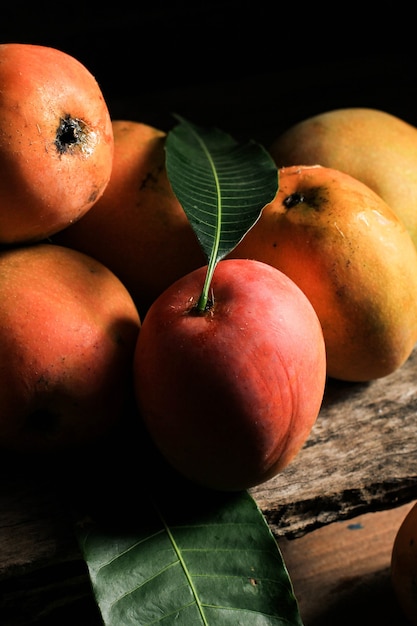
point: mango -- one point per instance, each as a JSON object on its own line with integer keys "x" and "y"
{"x": 353, "y": 258}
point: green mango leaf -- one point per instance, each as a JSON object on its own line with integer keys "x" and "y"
{"x": 222, "y": 186}
{"x": 215, "y": 563}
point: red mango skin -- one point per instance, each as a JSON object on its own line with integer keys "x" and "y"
{"x": 56, "y": 142}
{"x": 68, "y": 330}
{"x": 230, "y": 396}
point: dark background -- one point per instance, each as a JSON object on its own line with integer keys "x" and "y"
{"x": 251, "y": 68}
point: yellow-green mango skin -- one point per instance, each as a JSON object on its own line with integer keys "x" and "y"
{"x": 371, "y": 145}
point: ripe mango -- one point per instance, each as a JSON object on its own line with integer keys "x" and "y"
{"x": 353, "y": 258}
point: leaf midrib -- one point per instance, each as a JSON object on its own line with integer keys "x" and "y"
{"x": 183, "y": 565}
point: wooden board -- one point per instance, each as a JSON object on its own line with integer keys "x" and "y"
{"x": 341, "y": 572}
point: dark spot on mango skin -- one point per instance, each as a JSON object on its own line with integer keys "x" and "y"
{"x": 293, "y": 199}
{"x": 75, "y": 137}
{"x": 315, "y": 197}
